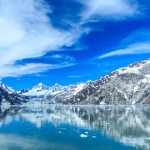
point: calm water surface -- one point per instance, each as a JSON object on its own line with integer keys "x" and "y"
{"x": 55, "y": 127}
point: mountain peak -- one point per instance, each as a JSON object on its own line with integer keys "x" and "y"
{"x": 127, "y": 85}
{"x": 56, "y": 85}
{"x": 41, "y": 84}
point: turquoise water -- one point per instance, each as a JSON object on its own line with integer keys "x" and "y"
{"x": 54, "y": 127}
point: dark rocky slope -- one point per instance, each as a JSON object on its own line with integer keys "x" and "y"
{"x": 129, "y": 85}
{"x": 8, "y": 96}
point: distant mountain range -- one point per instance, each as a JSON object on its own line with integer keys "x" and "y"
{"x": 55, "y": 93}
{"x": 128, "y": 85}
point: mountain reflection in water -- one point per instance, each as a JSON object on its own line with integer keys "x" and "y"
{"x": 126, "y": 125}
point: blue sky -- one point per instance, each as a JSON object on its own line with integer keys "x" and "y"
{"x": 71, "y": 41}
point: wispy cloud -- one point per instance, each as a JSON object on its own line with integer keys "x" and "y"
{"x": 19, "y": 70}
{"x": 61, "y": 58}
{"x": 27, "y": 31}
{"x": 137, "y": 43}
{"x": 138, "y": 48}
{"x": 108, "y": 9}
{"x": 74, "y": 76}
{"x": 78, "y": 76}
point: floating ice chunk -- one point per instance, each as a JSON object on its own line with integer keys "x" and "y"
{"x": 83, "y": 136}
{"x": 94, "y": 137}
{"x": 86, "y": 132}
{"x": 59, "y": 132}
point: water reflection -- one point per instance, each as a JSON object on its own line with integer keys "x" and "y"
{"x": 129, "y": 125}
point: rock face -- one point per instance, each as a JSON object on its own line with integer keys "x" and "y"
{"x": 128, "y": 85}
{"x": 70, "y": 93}
{"x": 8, "y": 96}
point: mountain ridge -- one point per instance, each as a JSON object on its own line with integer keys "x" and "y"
{"x": 122, "y": 86}
{"x": 127, "y": 85}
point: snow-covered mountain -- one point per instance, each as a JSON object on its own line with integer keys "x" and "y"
{"x": 9, "y": 96}
{"x": 128, "y": 85}
{"x": 41, "y": 91}
{"x": 69, "y": 92}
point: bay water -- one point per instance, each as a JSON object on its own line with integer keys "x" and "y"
{"x": 66, "y": 127}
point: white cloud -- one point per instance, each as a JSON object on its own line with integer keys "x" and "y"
{"x": 61, "y": 58}
{"x": 108, "y": 9}
{"x": 138, "y": 48}
{"x": 131, "y": 44}
{"x": 78, "y": 76}
{"x": 74, "y": 76}
{"x": 27, "y": 31}
{"x": 19, "y": 70}
{"x": 28, "y": 34}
